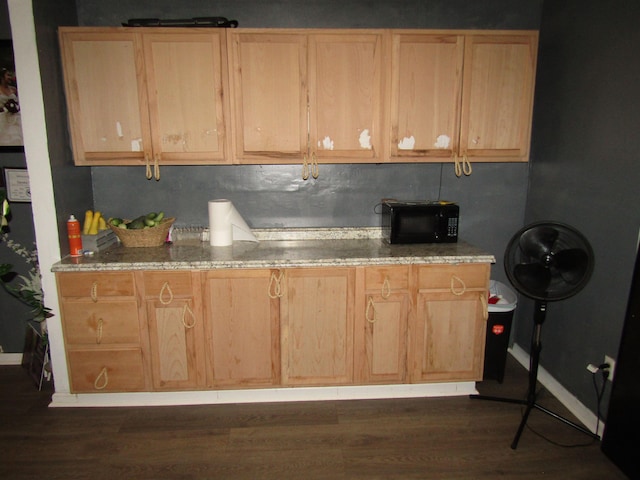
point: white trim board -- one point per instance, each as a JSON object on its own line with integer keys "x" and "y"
{"x": 577, "y": 408}
{"x": 298, "y": 394}
{"x": 10, "y": 358}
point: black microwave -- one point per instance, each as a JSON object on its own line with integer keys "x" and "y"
{"x": 420, "y": 222}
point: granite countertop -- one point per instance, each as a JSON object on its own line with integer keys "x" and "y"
{"x": 314, "y": 247}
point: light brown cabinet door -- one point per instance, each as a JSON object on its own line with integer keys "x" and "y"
{"x": 450, "y": 333}
{"x": 346, "y": 96}
{"x": 450, "y": 323}
{"x": 243, "y": 335}
{"x": 385, "y": 338}
{"x": 186, "y": 77}
{"x": 106, "y": 98}
{"x": 317, "y": 326}
{"x": 269, "y": 88}
{"x": 175, "y": 328}
{"x": 174, "y": 333}
{"x": 426, "y": 85}
{"x": 499, "y": 73}
{"x": 141, "y": 98}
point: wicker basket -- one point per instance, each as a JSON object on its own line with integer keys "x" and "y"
{"x": 144, "y": 237}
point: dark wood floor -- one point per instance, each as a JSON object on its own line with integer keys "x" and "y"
{"x": 435, "y": 438}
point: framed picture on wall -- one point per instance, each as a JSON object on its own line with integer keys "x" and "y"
{"x": 17, "y": 184}
{"x": 10, "y": 117}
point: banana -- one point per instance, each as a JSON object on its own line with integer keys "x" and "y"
{"x": 102, "y": 224}
{"x": 93, "y": 230}
{"x": 88, "y": 218}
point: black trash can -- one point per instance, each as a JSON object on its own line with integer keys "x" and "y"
{"x": 498, "y": 329}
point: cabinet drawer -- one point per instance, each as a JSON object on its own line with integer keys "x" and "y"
{"x": 458, "y": 277}
{"x": 100, "y": 371}
{"x": 165, "y": 285}
{"x": 397, "y": 278}
{"x": 96, "y": 284}
{"x": 89, "y": 323}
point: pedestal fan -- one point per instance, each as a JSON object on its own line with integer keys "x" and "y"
{"x": 545, "y": 261}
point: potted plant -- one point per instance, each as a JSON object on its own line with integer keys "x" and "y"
{"x": 28, "y": 290}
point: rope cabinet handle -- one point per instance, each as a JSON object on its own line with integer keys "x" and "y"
{"x": 463, "y": 166}
{"x": 485, "y": 306}
{"x": 275, "y": 285}
{"x": 186, "y": 314}
{"x": 371, "y": 314}
{"x": 385, "y": 291}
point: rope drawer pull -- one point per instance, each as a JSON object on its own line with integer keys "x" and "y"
{"x": 102, "y": 380}
{"x": 457, "y": 291}
{"x": 94, "y": 292}
{"x": 165, "y": 290}
{"x": 99, "y": 331}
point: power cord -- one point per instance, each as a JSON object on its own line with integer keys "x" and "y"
{"x": 605, "y": 369}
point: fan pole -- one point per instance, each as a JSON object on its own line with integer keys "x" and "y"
{"x": 536, "y": 347}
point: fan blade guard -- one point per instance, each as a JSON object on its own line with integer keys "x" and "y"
{"x": 548, "y": 261}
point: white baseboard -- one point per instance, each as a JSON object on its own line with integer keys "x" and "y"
{"x": 10, "y": 358}
{"x": 302, "y": 394}
{"x": 582, "y": 413}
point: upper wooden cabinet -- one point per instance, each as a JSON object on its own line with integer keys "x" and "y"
{"x": 145, "y": 97}
{"x": 461, "y": 94}
{"x": 426, "y": 86}
{"x": 306, "y": 95}
{"x": 497, "y": 99}
{"x": 153, "y": 96}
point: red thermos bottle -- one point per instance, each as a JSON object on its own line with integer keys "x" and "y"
{"x": 75, "y": 240}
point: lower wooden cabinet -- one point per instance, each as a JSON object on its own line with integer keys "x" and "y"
{"x": 317, "y": 326}
{"x": 103, "y": 332}
{"x": 260, "y": 328}
{"x": 243, "y": 333}
{"x": 382, "y": 321}
{"x": 172, "y": 305}
{"x": 450, "y": 323}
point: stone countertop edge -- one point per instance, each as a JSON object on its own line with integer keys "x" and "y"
{"x": 277, "y": 248}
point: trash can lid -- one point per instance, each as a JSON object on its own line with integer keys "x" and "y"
{"x": 507, "y": 300}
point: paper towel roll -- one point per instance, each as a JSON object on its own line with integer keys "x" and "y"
{"x": 226, "y": 224}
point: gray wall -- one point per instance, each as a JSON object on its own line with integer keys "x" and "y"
{"x": 584, "y": 171}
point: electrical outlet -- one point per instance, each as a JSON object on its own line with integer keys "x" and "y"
{"x": 1, "y": 349}
{"x": 612, "y": 366}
